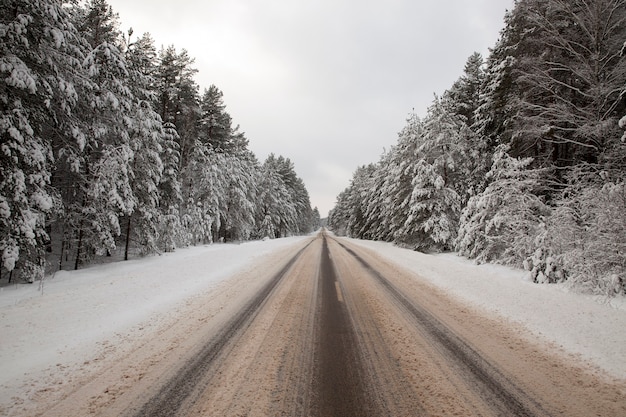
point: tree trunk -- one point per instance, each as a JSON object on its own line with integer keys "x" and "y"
{"x": 80, "y": 245}
{"x": 127, "y": 237}
{"x": 62, "y": 250}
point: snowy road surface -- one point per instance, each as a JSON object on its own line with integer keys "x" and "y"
{"x": 314, "y": 326}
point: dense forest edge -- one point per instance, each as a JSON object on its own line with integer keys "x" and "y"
{"x": 522, "y": 161}
{"x": 109, "y": 149}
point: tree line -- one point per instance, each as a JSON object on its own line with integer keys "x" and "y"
{"x": 108, "y": 145}
{"x": 522, "y": 161}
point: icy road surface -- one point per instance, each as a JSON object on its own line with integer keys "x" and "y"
{"x": 311, "y": 326}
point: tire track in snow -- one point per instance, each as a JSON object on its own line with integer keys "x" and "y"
{"x": 187, "y": 382}
{"x": 501, "y": 394}
{"x": 341, "y": 387}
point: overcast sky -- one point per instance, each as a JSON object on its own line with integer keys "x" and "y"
{"x": 326, "y": 83}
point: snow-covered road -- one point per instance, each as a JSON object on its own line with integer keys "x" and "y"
{"x": 591, "y": 327}
{"x": 80, "y": 316}
{"x": 85, "y": 319}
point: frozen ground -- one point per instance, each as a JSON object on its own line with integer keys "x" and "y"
{"x": 75, "y": 312}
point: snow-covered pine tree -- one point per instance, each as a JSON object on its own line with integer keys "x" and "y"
{"x": 463, "y": 100}
{"x": 177, "y": 100}
{"x": 464, "y": 95}
{"x": 171, "y": 233}
{"x": 298, "y": 195}
{"x": 377, "y": 226}
{"x": 276, "y": 211}
{"x": 39, "y": 53}
{"x": 146, "y": 136}
{"x": 237, "y": 209}
{"x": 101, "y": 190}
{"x": 493, "y": 118}
{"x": 356, "y": 198}
{"x": 570, "y": 83}
{"x": 204, "y": 191}
{"x": 215, "y": 124}
{"x": 401, "y": 168}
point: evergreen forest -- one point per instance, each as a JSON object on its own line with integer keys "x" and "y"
{"x": 108, "y": 147}
{"x": 522, "y": 161}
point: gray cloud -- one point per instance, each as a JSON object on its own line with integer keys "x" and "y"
{"x": 327, "y": 83}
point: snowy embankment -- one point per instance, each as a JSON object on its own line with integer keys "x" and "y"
{"x": 591, "y": 327}
{"x": 77, "y": 311}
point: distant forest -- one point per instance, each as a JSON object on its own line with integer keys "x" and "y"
{"x": 108, "y": 146}
{"x": 522, "y": 161}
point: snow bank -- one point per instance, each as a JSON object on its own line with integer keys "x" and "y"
{"x": 588, "y": 326}
{"x": 77, "y": 310}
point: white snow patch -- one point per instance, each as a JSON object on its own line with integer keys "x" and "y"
{"x": 589, "y": 326}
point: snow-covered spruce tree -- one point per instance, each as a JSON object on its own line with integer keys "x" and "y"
{"x": 501, "y": 224}
{"x": 215, "y": 130}
{"x": 433, "y": 211}
{"x": 435, "y": 203}
{"x": 349, "y": 217}
{"x": 177, "y": 103}
{"x": 304, "y": 212}
{"x": 463, "y": 101}
{"x": 219, "y": 192}
{"x": 382, "y": 201}
{"x": 316, "y": 219}
{"x": 39, "y": 53}
{"x": 276, "y": 212}
{"x": 361, "y": 192}
{"x": 375, "y": 205}
{"x": 266, "y": 228}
